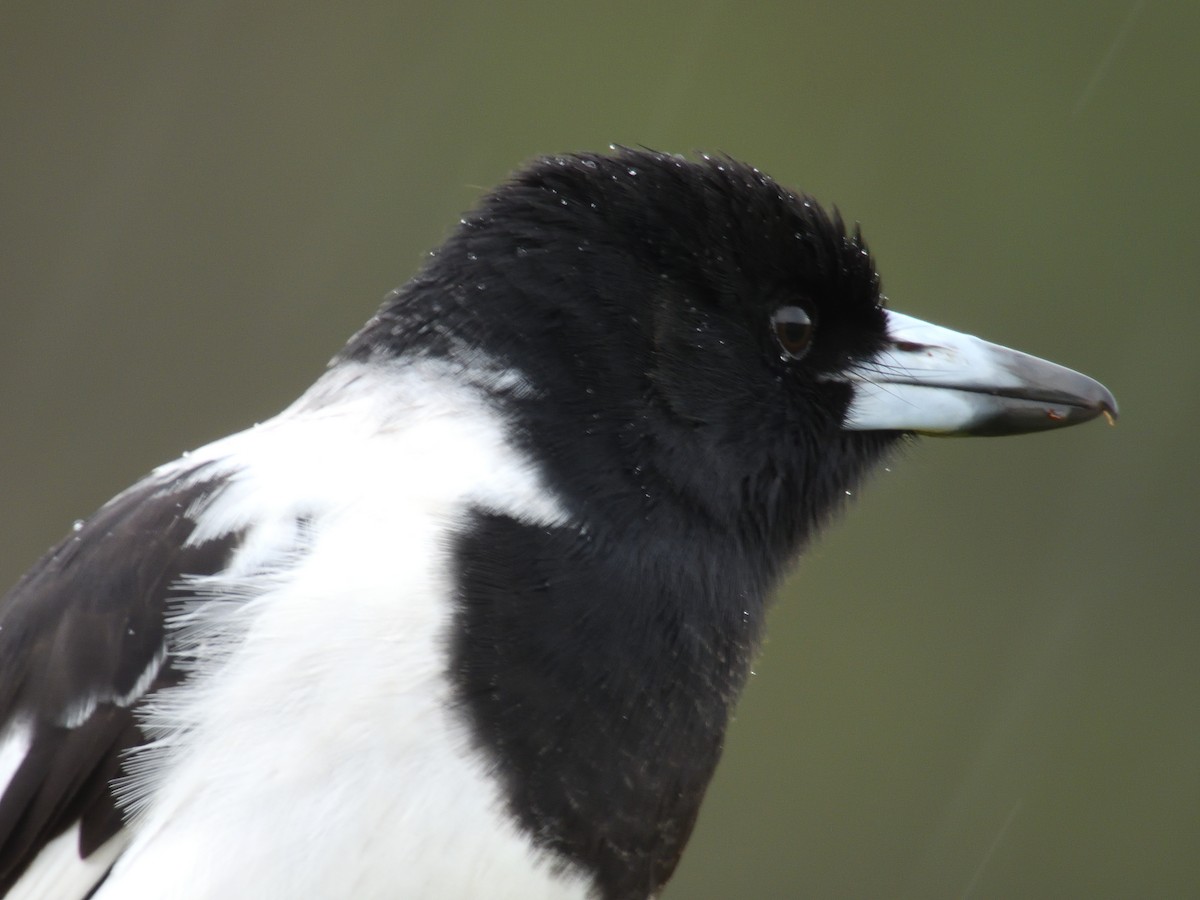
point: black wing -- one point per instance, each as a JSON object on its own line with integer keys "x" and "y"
{"x": 82, "y": 644}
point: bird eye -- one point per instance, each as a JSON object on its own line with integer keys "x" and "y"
{"x": 793, "y": 330}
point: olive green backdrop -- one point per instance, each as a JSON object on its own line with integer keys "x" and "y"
{"x": 984, "y": 681}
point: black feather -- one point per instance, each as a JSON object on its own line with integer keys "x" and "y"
{"x": 77, "y": 632}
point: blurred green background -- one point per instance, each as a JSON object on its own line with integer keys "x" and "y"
{"x": 984, "y": 681}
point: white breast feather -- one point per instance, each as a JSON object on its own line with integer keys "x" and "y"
{"x": 315, "y": 751}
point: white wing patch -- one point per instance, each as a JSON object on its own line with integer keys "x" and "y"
{"x": 81, "y": 711}
{"x": 13, "y": 747}
{"x": 57, "y": 873}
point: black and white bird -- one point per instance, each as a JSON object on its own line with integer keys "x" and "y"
{"x": 469, "y": 618}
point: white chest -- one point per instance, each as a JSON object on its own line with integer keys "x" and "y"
{"x": 316, "y": 750}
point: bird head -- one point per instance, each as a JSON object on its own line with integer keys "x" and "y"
{"x": 694, "y": 332}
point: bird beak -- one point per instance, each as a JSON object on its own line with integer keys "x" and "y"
{"x": 932, "y": 380}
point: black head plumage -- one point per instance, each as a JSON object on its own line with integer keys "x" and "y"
{"x": 637, "y": 291}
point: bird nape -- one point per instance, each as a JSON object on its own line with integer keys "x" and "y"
{"x": 468, "y": 619}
